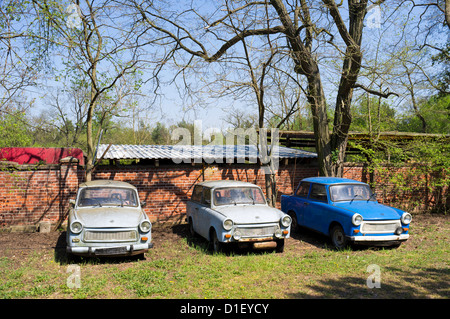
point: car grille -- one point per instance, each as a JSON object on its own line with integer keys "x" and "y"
{"x": 380, "y": 227}
{"x": 110, "y": 236}
{"x": 257, "y": 231}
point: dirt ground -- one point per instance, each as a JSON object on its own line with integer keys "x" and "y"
{"x": 15, "y": 244}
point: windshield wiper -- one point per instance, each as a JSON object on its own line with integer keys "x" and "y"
{"x": 373, "y": 195}
{"x": 355, "y": 197}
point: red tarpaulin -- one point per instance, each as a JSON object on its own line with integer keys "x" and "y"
{"x": 34, "y": 155}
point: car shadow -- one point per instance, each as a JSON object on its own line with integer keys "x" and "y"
{"x": 322, "y": 241}
{"x": 63, "y": 258}
{"x": 310, "y": 237}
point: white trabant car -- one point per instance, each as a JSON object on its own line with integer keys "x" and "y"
{"x": 226, "y": 212}
{"x": 107, "y": 219}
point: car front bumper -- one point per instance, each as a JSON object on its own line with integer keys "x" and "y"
{"x": 379, "y": 240}
{"x": 125, "y": 250}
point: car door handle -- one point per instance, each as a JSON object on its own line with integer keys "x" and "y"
{"x": 196, "y": 208}
{"x": 305, "y": 204}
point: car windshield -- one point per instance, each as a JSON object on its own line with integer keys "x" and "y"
{"x": 107, "y": 196}
{"x": 238, "y": 195}
{"x": 350, "y": 192}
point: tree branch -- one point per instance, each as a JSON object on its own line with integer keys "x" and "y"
{"x": 242, "y": 35}
{"x": 334, "y": 11}
{"x": 381, "y": 94}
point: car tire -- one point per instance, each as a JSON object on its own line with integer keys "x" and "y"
{"x": 191, "y": 227}
{"x": 338, "y": 238}
{"x": 294, "y": 224}
{"x": 215, "y": 244}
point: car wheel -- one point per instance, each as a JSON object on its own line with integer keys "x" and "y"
{"x": 338, "y": 237}
{"x": 294, "y": 224}
{"x": 215, "y": 244}
{"x": 191, "y": 227}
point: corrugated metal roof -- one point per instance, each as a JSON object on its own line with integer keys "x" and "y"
{"x": 195, "y": 152}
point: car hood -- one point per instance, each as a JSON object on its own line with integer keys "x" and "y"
{"x": 244, "y": 214}
{"x": 109, "y": 217}
{"x": 370, "y": 210}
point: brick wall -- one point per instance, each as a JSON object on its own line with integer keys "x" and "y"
{"x": 166, "y": 189}
{"x": 30, "y": 194}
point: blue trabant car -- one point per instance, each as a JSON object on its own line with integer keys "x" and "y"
{"x": 107, "y": 219}
{"x": 347, "y": 211}
{"x": 234, "y": 212}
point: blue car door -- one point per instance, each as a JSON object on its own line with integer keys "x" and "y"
{"x": 301, "y": 201}
{"x": 315, "y": 211}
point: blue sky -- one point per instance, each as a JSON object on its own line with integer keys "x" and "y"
{"x": 170, "y": 109}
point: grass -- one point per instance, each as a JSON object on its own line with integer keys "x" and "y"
{"x": 183, "y": 268}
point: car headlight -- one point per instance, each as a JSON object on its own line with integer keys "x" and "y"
{"x": 145, "y": 226}
{"x": 286, "y": 221}
{"x": 357, "y": 219}
{"x": 406, "y": 218}
{"x": 76, "y": 227}
{"x": 227, "y": 224}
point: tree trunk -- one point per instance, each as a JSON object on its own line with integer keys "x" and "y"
{"x": 89, "y": 143}
{"x": 330, "y": 149}
{"x": 271, "y": 186}
{"x": 350, "y": 72}
{"x": 316, "y": 99}
{"x": 447, "y": 12}
{"x": 89, "y": 135}
{"x": 306, "y": 64}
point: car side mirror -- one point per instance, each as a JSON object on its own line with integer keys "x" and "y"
{"x": 72, "y": 202}
{"x": 143, "y": 204}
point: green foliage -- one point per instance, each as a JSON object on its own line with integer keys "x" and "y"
{"x": 436, "y": 112}
{"x": 412, "y": 175}
{"x": 373, "y": 115}
{"x": 14, "y": 130}
{"x": 160, "y": 134}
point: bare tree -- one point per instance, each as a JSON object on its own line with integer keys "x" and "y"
{"x": 100, "y": 43}
{"x": 18, "y": 67}
{"x": 294, "y": 22}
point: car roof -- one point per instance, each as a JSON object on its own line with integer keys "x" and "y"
{"x": 106, "y": 183}
{"x": 331, "y": 180}
{"x": 226, "y": 183}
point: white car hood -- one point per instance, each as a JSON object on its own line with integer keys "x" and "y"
{"x": 103, "y": 217}
{"x": 244, "y": 214}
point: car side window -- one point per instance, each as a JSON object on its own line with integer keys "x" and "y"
{"x": 318, "y": 192}
{"x": 206, "y": 196}
{"x": 197, "y": 194}
{"x": 303, "y": 189}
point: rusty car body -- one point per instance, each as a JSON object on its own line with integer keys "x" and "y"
{"x": 234, "y": 212}
{"x": 107, "y": 219}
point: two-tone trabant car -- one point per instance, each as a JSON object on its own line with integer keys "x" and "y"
{"x": 226, "y": 212}
{"x": 347, "y": 211}
{"x": 107, "y": 219}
